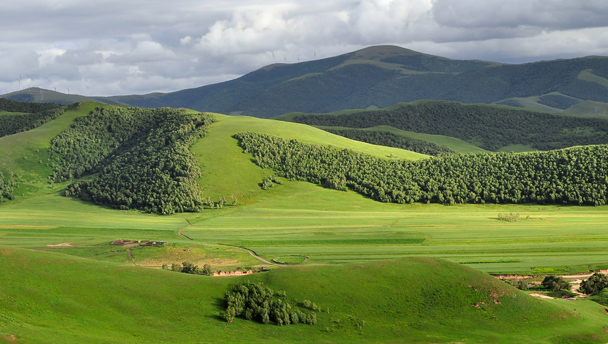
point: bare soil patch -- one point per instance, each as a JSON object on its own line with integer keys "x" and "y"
{"x": 542, "y": 296}
{"x": 64, "y": 244}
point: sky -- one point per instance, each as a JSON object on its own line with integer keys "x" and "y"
{"x": 118, "y": 47}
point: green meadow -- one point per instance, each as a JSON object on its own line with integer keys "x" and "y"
{"x": 380, "y": 272}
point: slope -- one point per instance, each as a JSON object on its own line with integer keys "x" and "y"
{"x": 24, "y": 156}
{"x": 490, "y": 127}
{"x": 384, "y": 75}
{"x": 226, "y": 170}
{"x": 412, "y": 300}
{"x": 380, "y": 76}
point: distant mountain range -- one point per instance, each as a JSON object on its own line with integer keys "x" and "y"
{"x": 381, "y": 76}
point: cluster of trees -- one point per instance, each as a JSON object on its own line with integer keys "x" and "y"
{"x": 141, "y": 156}
{"x": 6, "y": 188}
{"x": 269, "y": 182}
{"x": 385, "y": 138}
{"x": 10, "y": 105}
{"x": 489, "y": 127}
{"x": 12, "y": 124}
{"x": 570, "y": 176}
{"x": 189, "y": 268}
{"x": 556, "y": 283}
{"x": 594, "y": 284}
{"x": 257, "y": 302}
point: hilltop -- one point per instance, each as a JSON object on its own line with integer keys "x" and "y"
{"x": 381, "y": 76}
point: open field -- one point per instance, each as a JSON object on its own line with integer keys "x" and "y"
{"x": 63, "y": 282}
{"x": 412, "y": 300}
{"x": 334, "y": 227}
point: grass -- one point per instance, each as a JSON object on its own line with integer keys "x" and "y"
{"x": 411, "y": 300}
{"x": 517, "y": 148}
{"x": 453, "y": 143}
{"x": 358, "y": 249}
{"x": 587, "y": 75}
{"x": 227, "y": 171}
{"x": 25, "y": 155}
{"x": 3, "y": 113}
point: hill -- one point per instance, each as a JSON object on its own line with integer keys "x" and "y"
{"x": 412, "y": 299}
{"x": 489, "y": 127}
{"x": 381, "y": 76}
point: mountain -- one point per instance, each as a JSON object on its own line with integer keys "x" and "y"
{"x": 381, "y": 76}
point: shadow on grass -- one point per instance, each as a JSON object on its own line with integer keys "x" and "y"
{"x": 220, "y": 305}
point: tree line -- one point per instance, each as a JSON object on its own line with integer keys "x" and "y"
{"x": 16, "y": 123}
{"x": 488, "y": 127}
{"x": 141, "y": 158}
{"x": 10, "y": 105}
{"x": 6, "y": 188}
{"x": 385, "y": 138}
{"x": 577, "y": 176}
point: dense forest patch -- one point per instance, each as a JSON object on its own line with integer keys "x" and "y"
{"x": 16, "y": 123}
{"x": 389, "y": 139}
{"x": 489, "y": 127}
{"x": 141, "y": 156}
{"x": 6, "y": 188}
{"x": 9, "y": 105}
{"x": 571, "y": 176}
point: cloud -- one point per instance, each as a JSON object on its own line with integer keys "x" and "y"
{"x": 140, "y": 46}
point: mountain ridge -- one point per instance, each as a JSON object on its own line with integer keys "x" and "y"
{"x": 381, "y": 76}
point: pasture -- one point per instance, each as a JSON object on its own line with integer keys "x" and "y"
{"x": 64, "y": 282}
{"x": 330, "y": 226}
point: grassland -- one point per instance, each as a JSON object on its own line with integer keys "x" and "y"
{"x": 90, "y": 291}
{"x": 66, "y": 299}
{"x": 226, "y": 170}
{"x": 25, "y": 154}
{"x": 453, "y": 143}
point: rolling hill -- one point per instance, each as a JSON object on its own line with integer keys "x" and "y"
{"x": 490, "y": 127}
{"x": 381, "y": 272}
{"x": 381, "y": 76}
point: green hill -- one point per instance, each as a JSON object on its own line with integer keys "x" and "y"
{"x": 489, "y": 127}
{"x": 384, "y": 75}
{"x": 63, "y": 281}
{"x": 411, "y": 300}
{"x": 226, "y": 170}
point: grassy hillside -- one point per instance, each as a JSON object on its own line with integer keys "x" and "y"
{"x": 226, "y": 170}
{"x": 25, "y": 155}
{"x": 491, "y": 127}
{"x": 457, "y": 145}
{"x": 62, "y": 281}
{"x": 410, "y": 300}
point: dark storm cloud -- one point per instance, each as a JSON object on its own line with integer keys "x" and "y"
{"x": 137, "y": 46}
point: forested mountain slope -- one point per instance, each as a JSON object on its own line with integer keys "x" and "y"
{"x": 488, "y": 127}
{"x": 381, "y": 76}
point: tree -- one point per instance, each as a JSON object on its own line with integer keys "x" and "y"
{"x": 206, "y": 270}
{"x": 189, "y": 268}
{"x": 556, "y": 283}
{"x": 594, "y": 284}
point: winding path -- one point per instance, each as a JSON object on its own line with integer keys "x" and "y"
{"x": 186, "y": 226}
{"x": 252, "y": 253}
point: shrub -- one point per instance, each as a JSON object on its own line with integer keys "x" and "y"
{"x": 556, "y": 283}
{"x": 594, "y": 284}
